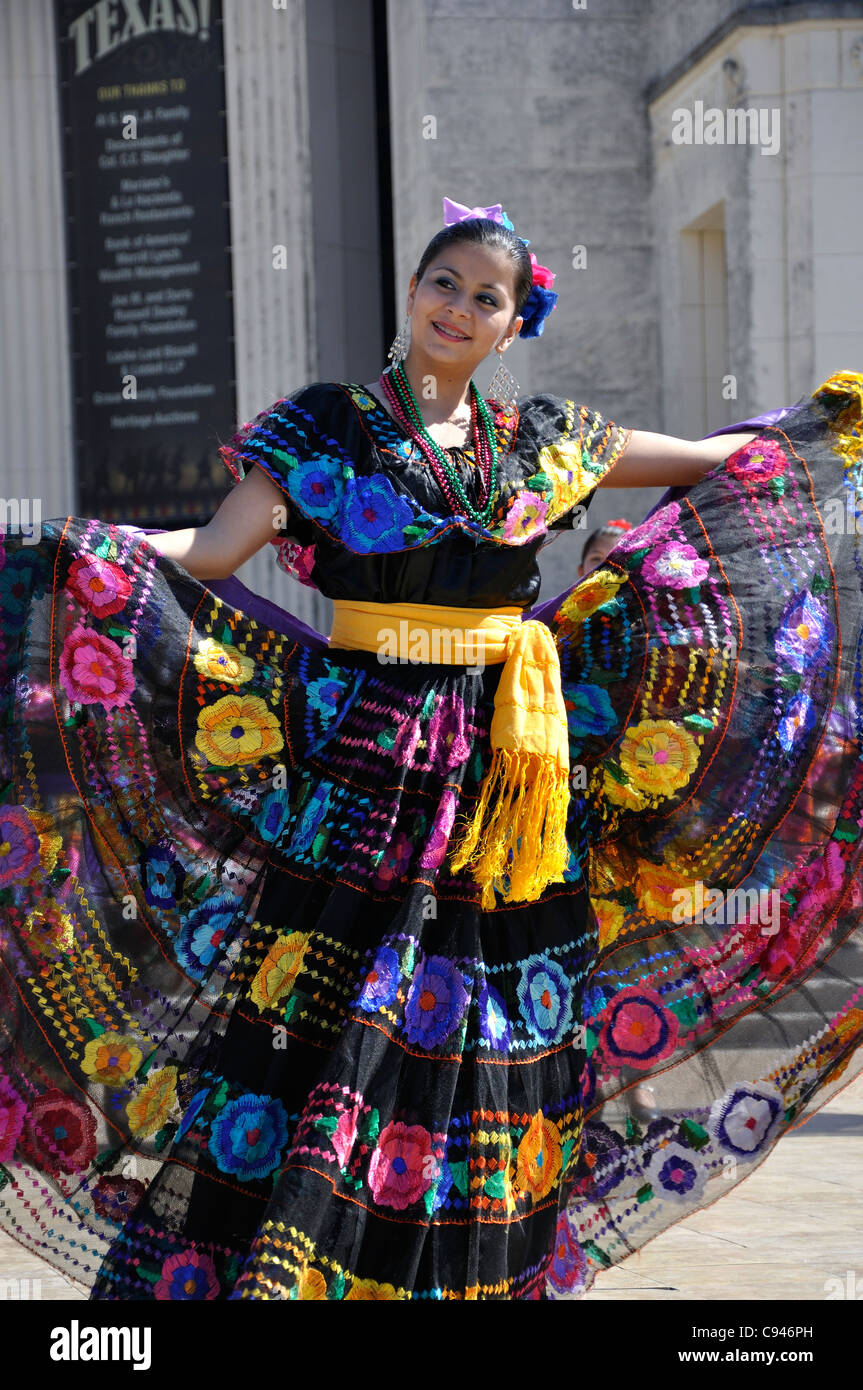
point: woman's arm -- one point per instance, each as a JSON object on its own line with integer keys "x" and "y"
{"x": 660, "y": 460}
{"x": 250, "y": 516}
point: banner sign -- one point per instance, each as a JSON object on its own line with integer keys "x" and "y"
{"x": 148, "y": 238}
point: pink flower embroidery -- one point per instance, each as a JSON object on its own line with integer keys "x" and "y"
{"x": 345, "y": 1135}
{"x": 99, "y": 586}
{"x": 12, "y": 1112}
{"x": 187, "y": 1277}
{"x": 638, "y": 1030}
{"x": 757, "y": 462}
{"x": 94, "y": 671}
{"x": 435, "y": 850}
{"x": 525, "y": 518}
{"x": 448, "y": 745}
{"x": 402, "y": 1165}
{"x": 296, "y": 560}
{"x": 396, "y": 858}
{"x": 655, "y": 529}
{"x": 674, "y": 566}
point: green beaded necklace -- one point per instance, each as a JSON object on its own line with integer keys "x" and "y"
{"x": 484, "y": 437}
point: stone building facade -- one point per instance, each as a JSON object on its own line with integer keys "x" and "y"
{"x": 701, "y": 279}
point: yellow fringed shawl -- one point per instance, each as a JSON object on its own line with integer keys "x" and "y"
{"x": 515, "y": 841}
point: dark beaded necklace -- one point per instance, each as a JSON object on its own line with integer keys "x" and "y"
{"x": 397, "y": 388}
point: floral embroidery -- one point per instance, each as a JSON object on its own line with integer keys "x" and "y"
{"x": 371, "y": 1291}
{"x": 637, "y": 1029}
{"x": 745, "y": 1118}
{"x": 676, "y": 1173}
{"x": 238, "y": 729}
{"x": 19, "y": 845}
{"x": 658, "y": 756}
{"x": 797, "y": 721}
{"x": 12, "y": 1113}
{"x": 438, "y": 840}
{"x": 164, "y": 876}
{"x": 597, "y": 590}
{"x": 151, "y": 1107}
{"x": 495, "y": 1029}
{"x": 758, "y": 461}
{"x": 400, "y": 1170}
{"x": 381, "y": 983}
{"x": 436, "y": 1002}
{"x": 376, "y": 515}
{"x": 94, "y": 671}
{"x": 805, "y": 635}
{"x": 545, "y": 999}
{"x": 187, "y": 1277}
{"x": 278, "y": 973}
{"x": 115, "y": 1198}
{"x": 525, "y": 517}
{"x": 202, "y": 939}
{"x": 589, "y": 710}
{"x": 60, "y": 1133}
{"x": 248, "y": 1135}
{"x": 674, "y": 565}
{"x": 539, "y": 1158}
{"x": 99, "y": 586}
{"x": 112, "y": 1059}
{"x": 568, "y": 1265}
{"x": 220, "y": 663}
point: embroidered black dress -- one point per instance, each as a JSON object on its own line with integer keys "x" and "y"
{"x": 258, "y": 1041}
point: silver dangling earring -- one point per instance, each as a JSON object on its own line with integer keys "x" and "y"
{"x": 503, "y": 386}
{"x": 401, "y": 343}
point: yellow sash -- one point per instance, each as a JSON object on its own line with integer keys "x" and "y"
{"x": 515, "y": 841}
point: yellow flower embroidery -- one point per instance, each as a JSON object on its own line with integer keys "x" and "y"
{"x": 658, "y": 756}
{"x": 590, "y": 594}
{"x": 539, "y": 1157}
{"x": 278, "y": 973}
{"x": 50, "y": 928}
{"x": 112, "y": 1059}
{"x": 220, "y": 663}
{"x": 563, "y": 465}
{"x": 371, "y": 1291}
{"x": 312, "y": 1285}
{"x": 844, "y": 1032}
{"x": 150, "y": 1109}
{"x": 609, "y": 916}
{"x": 657, "y": 886}
{"x": 622, "y": 793}
{"x": 238, "y": 729}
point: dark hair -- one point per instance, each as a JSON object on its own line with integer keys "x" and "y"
{"x": 482, "y": 231}
{"x": 611, "y": 528}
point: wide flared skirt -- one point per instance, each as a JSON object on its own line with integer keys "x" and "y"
{"x": 258, "y": 1041}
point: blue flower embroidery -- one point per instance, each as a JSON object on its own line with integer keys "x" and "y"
{"x": 545, "y": 998}
{"x": 805, "y": 635}
{"x": 248, "y": 1135}
{"x": 202, "y": 938}
{"x": 163, "y": 878}
{"x": 382, "y": 982}
{"x": 436, "y": 1002}
{"x": 375, "y": 515}
{"x": 310, "y": 818}
{"x": 494, "y": 1025}
{"x": 273, "y": 815}
{"x": 592, "y": 711}
{"x": 316, "y": 484}
{"x": 323, "y": 695}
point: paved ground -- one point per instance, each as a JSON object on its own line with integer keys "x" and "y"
{"x": 783, "y": 1233}
{"x": 786, "y": 1231}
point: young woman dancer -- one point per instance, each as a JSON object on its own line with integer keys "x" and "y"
{"x": 328, "y": 966}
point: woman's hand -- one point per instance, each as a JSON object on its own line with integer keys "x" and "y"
{"x": 250, "y": 515}
{"x": 660, "y": 460}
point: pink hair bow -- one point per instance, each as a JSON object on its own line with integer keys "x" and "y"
{"x": 457, "y": 212}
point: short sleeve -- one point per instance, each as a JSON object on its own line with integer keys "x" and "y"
{"x": 585, "y": 447}
{"x": 263, "y": 442}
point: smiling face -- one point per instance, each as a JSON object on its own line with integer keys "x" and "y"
{"x": 463, "y": 307}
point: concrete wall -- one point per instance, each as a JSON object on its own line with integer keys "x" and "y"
{"x": 794, "y": 263}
